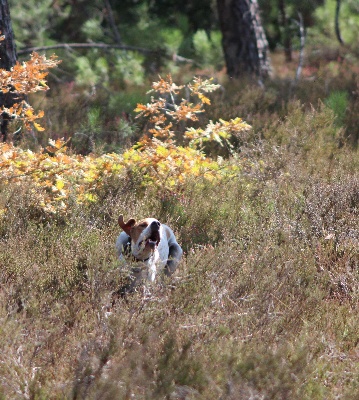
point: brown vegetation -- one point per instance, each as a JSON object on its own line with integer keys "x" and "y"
{"x": 263, "y": 306}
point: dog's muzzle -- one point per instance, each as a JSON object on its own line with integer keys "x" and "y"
{"x": 154, "y": 238}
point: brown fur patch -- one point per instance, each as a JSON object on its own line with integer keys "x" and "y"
{"x": 126, "y": 226}
{"x": 138, "y": 228}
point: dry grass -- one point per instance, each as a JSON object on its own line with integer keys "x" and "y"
{"x": 264, "y": 304}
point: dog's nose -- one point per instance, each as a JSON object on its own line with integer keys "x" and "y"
{"x": 155, "y": 225}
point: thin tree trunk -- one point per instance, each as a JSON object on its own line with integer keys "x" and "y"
{"x": 244, "y": 42}
{"x": 7, "y": 60}
{"x": 337, "y": 29}
{"x": 301, "y": 50}
{"x": 112, "y": 22}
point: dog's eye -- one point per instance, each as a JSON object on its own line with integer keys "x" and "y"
{"x": 140, "y": 242}
{"x": 144, "y": 225}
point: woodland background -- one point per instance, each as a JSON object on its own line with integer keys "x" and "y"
{"x": 261, "y": 189}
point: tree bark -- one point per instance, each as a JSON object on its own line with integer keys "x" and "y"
{"x": 7, "y": 46}
{"x": 244, "y": 42}
{"x": 7, "y": 61}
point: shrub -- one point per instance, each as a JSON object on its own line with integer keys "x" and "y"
{"x": 60, "y": 180}
{"x": 338, "y": 102}
{"x": 263, "y": 304}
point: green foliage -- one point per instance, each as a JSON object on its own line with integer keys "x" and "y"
{"x": 93, "y": 118}
{"x": 130, "y": 68}
{"x": 338, "y": 102}
{"x": 272, "y": 17}
{"x": 91, "y": 73}
{"x": 172, "y": 38}
{"x": 92, "y": 29}
{"x": 348, "y": 20}
{"x": 139, "y": 24}
{"x": 92, "y": 70}
{"x": 126, "y": 101}
{"x": 86, "y": 73}
{"x": 32, "y": 21}
{"x": 208, "y": 50}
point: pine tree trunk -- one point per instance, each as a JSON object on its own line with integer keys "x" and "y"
{"x": 244, "y": 42}
{"x": 7, "y": 60}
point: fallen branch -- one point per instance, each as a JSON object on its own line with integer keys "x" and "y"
{"x": 159, "y": 52}
{"x": 89, "y": 46}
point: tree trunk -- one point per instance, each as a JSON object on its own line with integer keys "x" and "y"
{"x": 244, "y": 42}
{"x": 7, "y": 60}
{"x": 337, "y": 29}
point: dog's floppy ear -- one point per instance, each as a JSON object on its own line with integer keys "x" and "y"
{"x": 126, "y": 226}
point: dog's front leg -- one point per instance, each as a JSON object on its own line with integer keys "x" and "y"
{"x": 152, "y": 267}
{"x": 137, "y": 276}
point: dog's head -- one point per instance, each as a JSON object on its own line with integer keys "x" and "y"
{"x": 144, "y": 234}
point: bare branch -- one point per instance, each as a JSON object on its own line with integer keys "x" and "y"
{"x": 159, "y": 52}
{"x": 180, "y": 59}
{"x": 89, "y": 46}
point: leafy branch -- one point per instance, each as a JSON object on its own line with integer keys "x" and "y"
{"x": 163, "y": 111}
{"x": 23, "y": 79}
{"x": 58, "y": 179}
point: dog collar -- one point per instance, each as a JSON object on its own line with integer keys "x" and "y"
{"x": 127, "y": 251}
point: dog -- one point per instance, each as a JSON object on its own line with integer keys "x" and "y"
{"x": 150, "y": 243}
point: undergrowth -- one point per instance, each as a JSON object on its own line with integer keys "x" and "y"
{"x": 263, "y": 305}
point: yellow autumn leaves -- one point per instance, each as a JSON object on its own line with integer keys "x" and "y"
{"x": 160, "y": 156}
{"x": 59, "y": 179}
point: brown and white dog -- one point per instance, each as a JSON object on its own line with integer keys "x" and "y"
{"x": 151, "y": 243}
